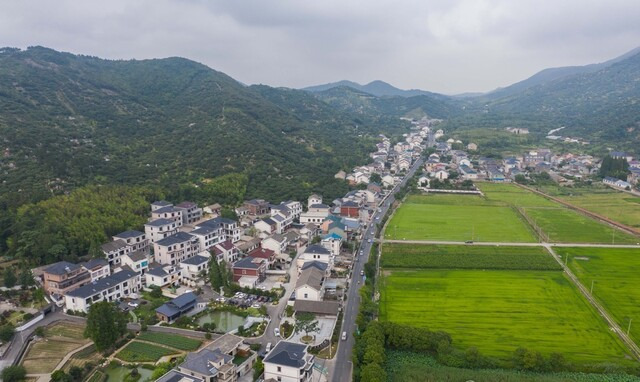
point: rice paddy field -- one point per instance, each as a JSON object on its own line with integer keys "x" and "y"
{"x": 413, "y": 256}
{"x": 615, "y": 205}
{"x": 513, "y": 195}
{"x": 457, "y": 218}
{"x": 615, "y": 273}
{"x": 497, "y": 311}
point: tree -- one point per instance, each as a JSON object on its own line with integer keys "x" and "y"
{"x": 9, "y": 277}
{"x": 60, "y": 376}
{"x": 258, "y": 369}
{"x": 6, "y": 333}
{"x": 105, "y": 325}
{"x": 306, "y": 322}
{"x": 373, "y": 372}
{"x": 225, "y": 276}
{"x": 40, "y": 331}
{"x": 76, "y": 373}
{"x": 156, "y": 291}
{"x": 214, "y": 274}
{"x": 375, "y": 178}
{"x": 14, "y": 373}
{"x": 26, "y": 278}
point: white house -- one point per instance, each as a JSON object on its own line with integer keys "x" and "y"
{"x": 136, "y": 240}
{"x": 208, "y": 236}
{"x": 193, "y": 270}
{"x": 139, "y": 262}
{"x": 441, "y": 175}
{"x": 277, "y": 243}
{"x": 176, "y": 248}
{"x": 288, "y": 362}
{"x": 111, "y": 288}
{"x": 332, "y": 242}
{"x": 98, "y": 268}
{"x": 316, "y": 214}
{"x": 226, "y": 251}
{"x": 114, "y": 250}
{"x": 310, "y": 285}
{"x": 315, "y": 252}
{"x": 160, "y": 228}
{"x": 163, "y": 275}
{"x": 168, "y": 212}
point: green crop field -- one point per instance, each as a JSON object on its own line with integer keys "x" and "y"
{"x": 615, "y": 205}
{"x": 513, "y": 195}
{"x": 616, "y": 281}
{"x": 142, "y": 352}
{"x": 412, "y": 256}
{"x": 174, "y": 341}
{"x": 499, "y": 311}
{"x": 563, "y": 225}
{"x": 456, "y": 218}
{"x": 403, "y": 366}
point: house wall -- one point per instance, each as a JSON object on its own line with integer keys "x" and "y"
{"x": 306, "y": 292}
{"x": 283, "y": 373}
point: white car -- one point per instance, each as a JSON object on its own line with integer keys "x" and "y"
{"x": 268, "y": 348}
{"x": 369, "y": 240}
{"x": 256, "y": 306}
{"x": 276, "y": 332}
{"x": 133, "y": 304}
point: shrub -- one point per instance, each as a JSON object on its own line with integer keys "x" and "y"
{"x": 13, "y": 373}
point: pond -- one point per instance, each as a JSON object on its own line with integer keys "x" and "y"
{"x": 117, "y": 373}
{"x": 224, "y": 321}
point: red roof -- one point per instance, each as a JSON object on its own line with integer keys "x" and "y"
{"x": 262, "y": 253}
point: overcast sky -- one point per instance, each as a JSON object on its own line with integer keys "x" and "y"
{"x": 448, "y": 46}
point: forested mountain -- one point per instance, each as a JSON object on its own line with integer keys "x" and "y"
{"x": 173, "y": 125}
{"x": 377, "y": 88}
{"x": 552, "y": 74}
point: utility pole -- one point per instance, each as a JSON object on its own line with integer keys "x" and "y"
{"x": 629, "y": 327}
{"x": 566, "y": 258}
{"x": 592, "y": 286}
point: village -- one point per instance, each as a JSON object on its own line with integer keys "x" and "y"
{"x": 279, "y": 261}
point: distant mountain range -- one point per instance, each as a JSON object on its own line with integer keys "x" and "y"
{"x": 376, "y": 88}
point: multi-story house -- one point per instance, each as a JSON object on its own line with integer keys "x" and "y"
{"x": 111, "y": 288}
{"x": 160, "y": 228}
{"x": 208, "y": 236}
{"x": 97, "y": 268}
{"x": 277, "y": 243}
{"x": 162, "y": 276}
{"x": 176, "y": 248}
{"x": 310, "y": 284}
{"x": 168, "y": 212}
{"x": 256, "y": 207}
{"x": 114, "y": 250}
{"x": 288, "y": 362}
{"x": 229, "y": 227}
{"x": 63, "y": 277}
{"x": 139, "y": 262}
{"x": 315, "y": 252}
{"x": 193, "y": 270}
{"x": 136, "y": 240}
{"x": 226, "y": 251}
{"x": 316, "y": 213}
{"x": 190, "y": 212}
{"x": 252, "y": 269}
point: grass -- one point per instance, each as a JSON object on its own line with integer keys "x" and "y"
{"x": 61, "y": 338}
{"x": 614, "y": 272}
{"x": 402, "y": 366}
{"x": 456, "y": 218}
{"x": 414, "y": 256}
{"x": 498, "y": 311}
{"x": 174, "y": 341}
{"x": 563, "y": 225}
{"x": 83, "y": 357}
{"x": 143, "y": 352}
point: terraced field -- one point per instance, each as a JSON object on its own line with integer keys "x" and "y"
{"x": 45, "y": 354}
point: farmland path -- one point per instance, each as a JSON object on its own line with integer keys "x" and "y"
{"x": 509, "y": 244}
{"x": 635, "y": 350}
{"x": 46, "y": 377}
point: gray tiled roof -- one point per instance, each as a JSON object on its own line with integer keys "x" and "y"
{"x": 94, "y": 263}
{"x": 61, "y": 267}
{"x": 287, "y": 354}
{"x": 176, "y": 376}
{"x": 176, "y": 238}
{"x": 113, "y": 246}
{"x": 160, "y": 222}
{"x": 195, "y": 260}
{"x": 103, "y": 284}
{"x": 317, "y": 249}
{"x": 129, "y": 234}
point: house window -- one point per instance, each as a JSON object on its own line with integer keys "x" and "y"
{"x": 279, "y": 370}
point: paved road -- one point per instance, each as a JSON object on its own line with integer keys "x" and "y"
{"x": 489, "y": 243}
{"x": 343, "y": 367}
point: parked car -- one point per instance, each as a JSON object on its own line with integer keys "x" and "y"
{"x": 276, "y": 332}
{"x": 268, "y": 348}
{"x": 361, "y": 273}
{"x": 133, "y": 304}
{"x": 344, "y": 336}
